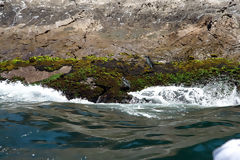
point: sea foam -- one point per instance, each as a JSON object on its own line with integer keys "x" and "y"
{"x": 212, "y": 94}
{"x": 18, "y": 92}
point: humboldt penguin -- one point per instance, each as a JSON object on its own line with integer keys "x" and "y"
{"x": 209, "y": 25}
{"x": 149, "y": 62}
{"x": 125, "y": 83}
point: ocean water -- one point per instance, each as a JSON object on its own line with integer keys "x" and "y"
{"x": 160, "y": 123}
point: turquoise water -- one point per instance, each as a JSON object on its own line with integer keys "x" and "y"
{"x": 70, "y": 131}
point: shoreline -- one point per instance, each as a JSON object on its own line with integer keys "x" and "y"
{"x": 105, "y": 79}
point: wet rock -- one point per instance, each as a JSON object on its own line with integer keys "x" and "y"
{"x": 96, "y": 78}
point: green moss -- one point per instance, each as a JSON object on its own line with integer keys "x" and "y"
{"x": 95, "y": 58}
{"x": 204, "y": 64}
{"x": 52, "y": 78}
{"x": 12, "y": 64}
{"x": 16, "y": 78}
{"x": 134, "y": 56}
{"x": 188, "y": 73}
{"x": 93, "y": 76}
{"x": 43, "y": 63}
{"x": 44, "y": 58}
{"x": 124, "y": 54}
{"x": 49, "y": 64}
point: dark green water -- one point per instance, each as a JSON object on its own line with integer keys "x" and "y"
{"x": 66, "y": 131}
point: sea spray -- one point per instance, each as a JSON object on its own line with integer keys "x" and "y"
{"x": 213, "y": 94}
{"x": 153, "y": 102}
{"x": 18, "y": 92}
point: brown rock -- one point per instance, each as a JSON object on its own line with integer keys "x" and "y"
{"x": 32, "y": 75}
{"x": 167, "y": 30}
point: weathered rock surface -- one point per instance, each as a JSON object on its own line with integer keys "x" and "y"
{"x": 119, "y": 35}
{"x": 166, "y": 30}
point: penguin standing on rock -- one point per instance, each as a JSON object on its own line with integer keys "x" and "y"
{"x": 149, "y": 62}
{"x": 209, "y": 25}
{"x": 125, "y": 84}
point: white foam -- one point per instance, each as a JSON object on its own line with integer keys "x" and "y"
{"x": 213, "y": 94}
{"x": 228, "y": 151}
{"x": 18, "y": 92}
{"x": 153, "y": 102}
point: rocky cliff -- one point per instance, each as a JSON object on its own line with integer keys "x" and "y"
{"x": 102, "y": 49}
{"x": 167, "y": 30}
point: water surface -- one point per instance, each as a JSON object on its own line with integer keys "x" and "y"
{"x": 33, "y": 129}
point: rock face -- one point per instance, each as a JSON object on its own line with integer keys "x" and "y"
{"x": 166, "y": 30}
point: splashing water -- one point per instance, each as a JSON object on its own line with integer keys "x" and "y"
{"x": 153, "y": 102}
{"x": 153, "y": 128}
{"x": 213, "y": 94}
{"x": 17, "y": 92}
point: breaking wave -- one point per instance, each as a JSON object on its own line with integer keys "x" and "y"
{"x": 18, "y": 92}
{"x": 213, "y": 94}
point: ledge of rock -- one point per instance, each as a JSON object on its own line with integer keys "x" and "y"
{"x": 31, "y": 74}
{"x": 103, "y": 79}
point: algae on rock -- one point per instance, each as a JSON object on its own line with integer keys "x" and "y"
{"x": 100, "y": 78}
